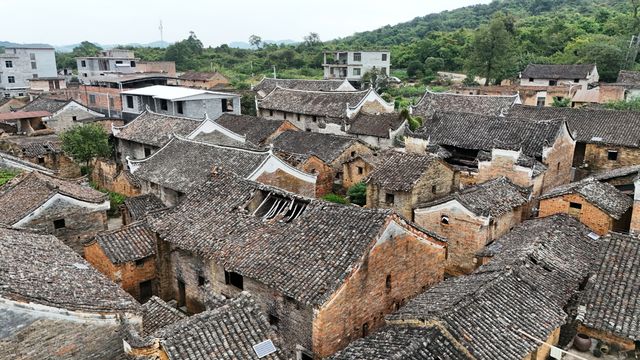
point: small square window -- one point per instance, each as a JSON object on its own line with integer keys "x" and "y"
{"x": 360, "y": 170}
{"x": 233, "y": 279}
{"x": 314, "y": 119}
{"x": 40, "y": 160}
{"x": 133, "y": 64}
{"x": 59, "y": 224}
{"x": 32, "y": 57}
{"x": 612, "y": 155}
{"x": 389, "y": 198}
{"x": 553, "y": 82}
{"x": 92, "y": 99}
{"x": 576, "y": 80}
{"x": 434, "y": 189}
{"x": 357, "y": 56}
{"x": 83, "y": 63}
{"x": 35, "y": 76}
{"x": 11, "y": 79}
{"x": 8, "y": 64}
{"x": 201, "y": 280}
{"x": 164, "y": 105}
{"x": 140, "y": 263}
{"x": 357, "y": 71}
{"x": 530, "y": 79}
{"x": 384, "y": 57}
{"x": 353, "y": 153}
{"x": 74, "y": 118}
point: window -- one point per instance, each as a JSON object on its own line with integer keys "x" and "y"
{"x": 74, "y": 118}
{"x": 35, "y": 76}
{"x": 357, "y": 57}
{"x": 530, "y": 79}
{"x": 298, "y": 117}
{"x": 365, "y": 329}
{"x": 338, "y": 175}
{"x": 92, "y": 99}
{"x": 558, "y": 167}
{"x": 85, "y": 74}
{"x": 133, "y": 63}
{"x": 384, "y": 57}
{"x": 356, "y": 71}
{"x": 130, "y": 101}
{"x": 32, "y": 56}
{"x": 434, "y": 189}
{"x": 59, "y": 224}
{"x": 164, "y": 105}
{"x": 314, "y": 118}
{"x": 541, "y": 101}
{"x": 40, "y": 160}
{"x": 553, "y": 82}
{"x": 140, "y": 262}
{"x": 389, "y": 198}
{"x": 576, "y": 80}
{"x": 273, "y": 320}
{"x": 387, "y": 283}
{"x": 360, "y": 170}
{"x": 111, "y": 102}
{"x": 146, "y": 290}
{"x": 8, "y": 64}
{"x": 285, "y": 115}
{"x": 11, "y": 79}
{"x": 270, "y": 112}
{"x": 233, "y": 279}
{"x": 444, "y": 220}
{"x": 147, "y": 152}
{"x": 118, "y": 61}
{"x": 383, "y": 70}
{"x": 353, "y": 153}
{"x": 83, "y": 63}
{"x": 574, "y": 208}
{"x": 180, "y": 107}
{"x": 34, "y": 65}
{"x": 227, "y": 106}
{"x": 612, "y": 155}
{"x": 201, "y": 280}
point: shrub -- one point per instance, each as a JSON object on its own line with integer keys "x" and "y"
{"x": 358, "y": 194}
{"x": 6, "y": 175}
{"x": 335, "y": 198}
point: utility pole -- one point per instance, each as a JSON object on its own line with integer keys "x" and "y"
{"x": 274, "y": 72}
{"x": 161, "y": 28}
{"x": 632, "y": 53}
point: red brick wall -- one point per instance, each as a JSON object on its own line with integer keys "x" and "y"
{"x": 324, "y": 172}
{"x": 364, "y": 298}
{"x": 591, "y": 216}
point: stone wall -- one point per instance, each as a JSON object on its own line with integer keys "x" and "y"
{"x": 63, "y": 120}
{"x": 596, "y": 157}
{"x": 324, "y": 172}
{"x": 559, "y": 161}
{"x": 107, "y": 175}
{"x": 591, "y": 216}
{"x": 351, "y": 175}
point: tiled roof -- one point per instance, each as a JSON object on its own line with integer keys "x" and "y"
{"x": 228, "y": 332}
{"x": 615, "y": 173}
{"x": 479, "y": 132}
{"x": 183, "y": 164}
{"x": 611, "y": 298}
{"x": 377, "y": 125}
{"x": 555, "y": 71}
{"x": 523, "y": 289}
{"x": 17, "y": 115}
{"x": 494, "y": 197}
{"x": 628, "y": 77}
{"x": 157, "y": 314}
{"x": 139, "y": 206}
{"x": 212, "y": 221}
{"x": 401, "y": 171}
{"x": 42, "y": 270}
{"x": 155, "y": 129}
{"x": 603, "y": 195}
{"x": 406, "y": 343}
{"x": 267, "y": 85}
{"x": 21, "y": 196}
{"x": 129, "y": 243}
{"x": 325, "y": 146}
{"x": 598, "y": 126}
{"x": 331, "y": 104}
{"x": 256, "y": 129}
{"x": 34, "y": 146}
{"x": 431, "y": 103}
{"x": 199, "y": 76}
{"x": 45, "y": 104}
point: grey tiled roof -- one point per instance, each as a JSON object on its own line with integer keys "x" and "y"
{"x": 267, "y": 85}
{"x": 256, "y": 129}
{"x": 23, "y": 195}
{"x": 156, "y": 129}
{"x": 404, "y": 342}
{"x": 332, "y": 104}
{"x": 42, "y": 270}
{"x": 377, "y": 125}
{"x": 325, "y": 146}
{"x": 479, "y": 132}
{"x": 598, "y": 126}
{"x": 555, "y": 71}
{"x": 199, "y": 76}
{"x": 212, "y": 221}
{"x": 399, "y": 171}
{"x": 431, "y": 103}
{"x": 628, "y": 77}
{"x": 602, "y": 195}
{"x": 156, "y": 314}
{"x": 184, "y": 164}
{"x": 139, "y": 206}
{"x": 611, "y": 298}
{"x": 129, "y": 243}
{"x": 228, "y": 332}
{"x": 615, "y": 173}
{"x": 494, "y": 197}
{"x": 45, "y": 104}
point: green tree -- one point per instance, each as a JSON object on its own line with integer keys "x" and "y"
{"x": 415, "y": 69}
{"x": 606, "y": 51}
{"x": 561, "y": 102}
{"x": 376, "y": 79}
{"x": 86, "y": 142}
{"x": 491, "y": 54}
{"x": 255, "y": 41}
{"x": 185, "y": 53}
{"x": 358, "y": 193}
{"x": 632, "y": 105}
{"x": 86, "y": 48}
{"x": 312, "y": 39}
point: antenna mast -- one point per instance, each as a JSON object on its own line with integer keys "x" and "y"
{"x": 161, "y": 28}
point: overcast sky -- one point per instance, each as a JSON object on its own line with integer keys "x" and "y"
{"x": 62, "y": 22}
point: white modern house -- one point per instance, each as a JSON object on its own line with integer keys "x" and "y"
{"x": 180, "y": 101}
{"x": 19, "y": 64}
{"x": 352, "y": 65}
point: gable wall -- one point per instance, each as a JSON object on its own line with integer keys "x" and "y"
{"x": 594, "y": 218}
{"x": 350, "y": 174}
{"x": 596, "y": 157}
{"x": 286, "y": 181}
{"x": 63, "y": 120}
{"x": 559, "y": 160}
{"x": 325, "y": 173}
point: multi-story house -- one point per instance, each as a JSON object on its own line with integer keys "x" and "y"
{"x": 352, "y": 65}
{"x": 19, "y": 64}
{"x": 119, "y": 61}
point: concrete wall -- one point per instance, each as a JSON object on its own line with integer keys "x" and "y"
{"x": 22, "y": 69}
{"x": 63, "y": 119}
{"x": 191, "y": 108}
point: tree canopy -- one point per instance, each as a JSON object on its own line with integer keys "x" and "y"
{"x": 86, "y": 142}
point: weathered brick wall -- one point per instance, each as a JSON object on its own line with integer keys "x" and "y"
{"x": 373, "y": 107}
{"x": 288, "y": 182}
{"x": 412, "y": 266}
{"x": 559, "y": 160}
{"x": 353, "y": 150}
{"x": 107, "y": 175}
{"x": 376, "y": 198}
{"x": 64, "y": 119}
{"x": 635, "y": 218}
{"x": 596, "y": 157}
{"x": 324, "y": 172}
{"x": 591, "y": 216}
{"x": 187, "y": 267}
{"x": 66, "y": 167}
{"x": 350, "y": 174}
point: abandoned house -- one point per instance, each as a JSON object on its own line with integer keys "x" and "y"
{"x": 135, "y": 208}
{"x": 491, "y": 105}
{"x": 553, "y": 74}
{"x": 214, "y": 239}
{"x": 127, "y": 257}
{"x": 403, "y": 180}
{"x": 378, "y": 130}
{"x": 203, "y": 80}
{"x": 184, "y": 164}
{"x": 504, "y": 309}
{"x": 621, "y": 178}
{"x": 598, "y": 205}
{"x": 472, "y": 218}
{"x": 27, "y": 122}
{"x": 536, "y": 153}
{"x": 605, "y": 139}
{"x": 266, "y": 85}
{"x": 240, "y": 130}
{"x": 44, "y": 150}
{"x": 12, "y": 104}
{"x": 11, "y": 162}
{"x": 321, "y": 154}
{"x": 178, "y": 101}
{"x": 54, "y": 305}
{"x": 65, "y": 114}
{"x": 628, "y": 84}
{"x": 50, "y": 205}
{"x": 320, "y": 111}
{"x": 232, "y": 329}
{"x": 147, "y": 133}
{"x": 356, "y": 169}
{"x": 608, "y": 309}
